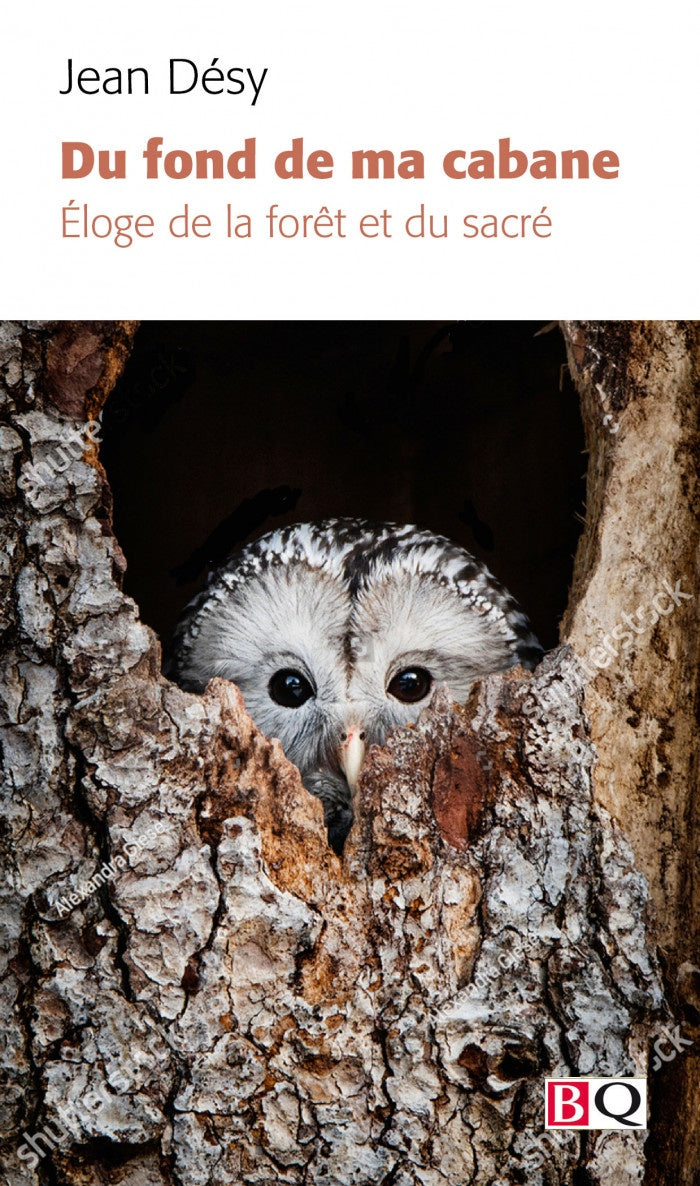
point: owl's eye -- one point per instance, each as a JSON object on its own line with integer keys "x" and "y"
{"x": 411, "y": 685}
{"x": 290, "y": 688}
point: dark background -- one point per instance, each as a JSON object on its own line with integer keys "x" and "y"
{"x": 220, "y": 431}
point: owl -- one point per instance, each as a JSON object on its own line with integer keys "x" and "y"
{"x": 338, "y": 632}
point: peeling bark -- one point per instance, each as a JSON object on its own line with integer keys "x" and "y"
{"x": 641, "y": 535}
{"x": 236, "y": 1004}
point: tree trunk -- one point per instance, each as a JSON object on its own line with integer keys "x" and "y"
{"x": 197, "y": 991}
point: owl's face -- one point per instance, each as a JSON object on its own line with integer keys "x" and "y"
{"x": 339, "y": 632}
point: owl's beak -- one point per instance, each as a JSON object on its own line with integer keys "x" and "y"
{"x": 352, "y": 755}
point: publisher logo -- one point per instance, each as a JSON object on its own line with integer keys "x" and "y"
{"x": 596, "y": 1103}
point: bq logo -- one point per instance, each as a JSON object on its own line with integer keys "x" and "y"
{"x": 596, "y": 1103}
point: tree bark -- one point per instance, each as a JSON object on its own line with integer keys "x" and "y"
{"x": 227, "y": 1001}
{"x": 639, "y": 386}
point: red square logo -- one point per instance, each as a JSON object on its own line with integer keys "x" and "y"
{"x": 567, "y": 1103}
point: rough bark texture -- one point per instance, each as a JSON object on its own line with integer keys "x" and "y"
{"x": 639, "y": 387}
{"x": 235, "y": 1004}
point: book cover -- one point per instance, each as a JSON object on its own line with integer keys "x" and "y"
{"x": 349, "y": 681}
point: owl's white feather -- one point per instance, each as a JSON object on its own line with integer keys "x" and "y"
{"x": 349, "y": 606}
